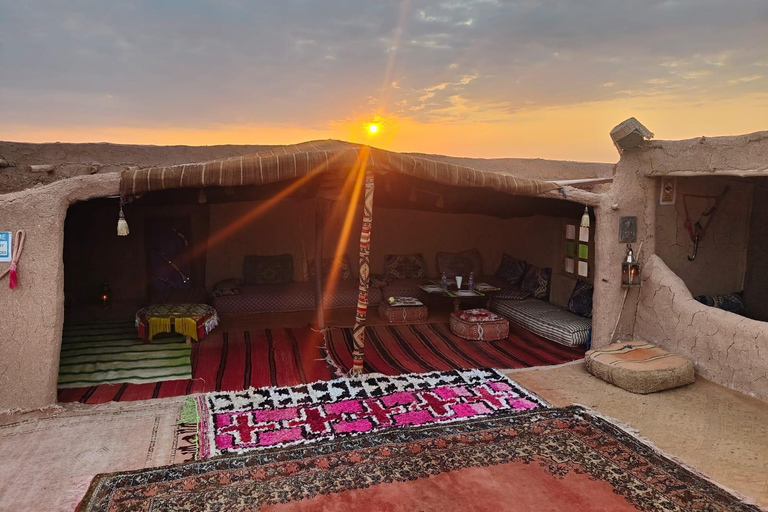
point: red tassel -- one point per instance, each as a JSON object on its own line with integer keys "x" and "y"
{"x": 12, "y": 277}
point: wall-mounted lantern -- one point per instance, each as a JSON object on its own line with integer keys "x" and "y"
{"x": 106, "y": 296}
{"x": 630, "y": 270}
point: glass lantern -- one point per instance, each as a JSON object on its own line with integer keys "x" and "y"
{"x": 630, "y": 269}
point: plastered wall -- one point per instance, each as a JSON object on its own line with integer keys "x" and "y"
{"x": 32, "y": 315}
{"x": 721, "y": 262}
{"x": 290, "y": 228}
{"x": 726, "y": 348}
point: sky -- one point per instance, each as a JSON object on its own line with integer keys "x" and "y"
{"x": 482, "y": 78}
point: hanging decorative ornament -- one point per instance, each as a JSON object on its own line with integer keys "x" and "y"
{"x": 585, "y": 217}
{"x": 122, "y": 224}
{"x": 12, "y": 272}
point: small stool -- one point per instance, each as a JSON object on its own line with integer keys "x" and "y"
{"x": 639, "y": 367}
{"x": 192, "y": 320}
{"x": 479, "y": 324}
{"x": 402, "y": 310}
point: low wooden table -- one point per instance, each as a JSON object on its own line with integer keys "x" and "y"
{"x": 192, "y": 320}
{"x": 482, "y": 291}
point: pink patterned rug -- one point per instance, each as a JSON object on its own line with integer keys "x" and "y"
{"x": 253, "y": 419}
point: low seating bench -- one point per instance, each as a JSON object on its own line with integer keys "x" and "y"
{"x": 547, "y": 320}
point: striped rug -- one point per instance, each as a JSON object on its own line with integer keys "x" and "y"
{"x": 415, "y": 348}
{"x": 227, "y": 360}
{"x": 108, "y": 352}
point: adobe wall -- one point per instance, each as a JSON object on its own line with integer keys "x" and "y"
{"x": 32, "y": 315}
{"x": 729, "y": 349}
{"x": 721, "y": 262}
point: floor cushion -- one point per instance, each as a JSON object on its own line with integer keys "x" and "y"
{"x": 545, "y": 319}
{"x": 639, "y": 367}
{"x": 479, "y": 324}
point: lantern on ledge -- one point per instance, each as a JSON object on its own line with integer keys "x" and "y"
{"x": 106, "y": 296}
{"x": 630, "y": 270}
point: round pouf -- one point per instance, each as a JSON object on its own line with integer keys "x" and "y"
{"x": 479, "y": 324}
{"x": 639, "y": 367}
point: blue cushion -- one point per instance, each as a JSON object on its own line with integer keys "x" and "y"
{"x": 733, "y": 302}
{"x": 511, "y": 269}
{"x": 581, "y": 299}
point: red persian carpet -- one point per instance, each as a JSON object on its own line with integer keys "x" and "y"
{"x": 539, "y": 460}
{"x": 417, "y": 348}
{"x": 227, "y": 361}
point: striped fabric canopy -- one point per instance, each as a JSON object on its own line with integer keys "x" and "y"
{"x": 328, "y": 156}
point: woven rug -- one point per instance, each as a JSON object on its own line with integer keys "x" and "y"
{"x": 397, "y": 349}
{"x": 109, "y": 352}
{"x": 238, "y": 422}
{"x": 227, "y": 360}
{"x": 546, "y": 459}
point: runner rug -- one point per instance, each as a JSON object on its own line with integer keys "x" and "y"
{"x": 544, "y": 459}
{"x": 238, "y": 422}
{"x": 396, "y": 349}
{"x": 109, "y": 352}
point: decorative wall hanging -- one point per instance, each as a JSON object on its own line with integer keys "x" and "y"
{"x": 668, "y": 190}
{"x": 698, "y": 229}
{"x": 628, "y": 230}
{"x": 15, "y": 247}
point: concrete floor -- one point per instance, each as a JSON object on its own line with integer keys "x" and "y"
{"x": 48, "y": 457}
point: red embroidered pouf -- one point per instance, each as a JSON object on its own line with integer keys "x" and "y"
{"x": 479, "y": 324}
{"x": 400, "y": 310}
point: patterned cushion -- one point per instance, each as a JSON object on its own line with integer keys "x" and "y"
{"x": 581, "y": 300}
{"x": 268, "y": 269}
{"x": 477, "y": 315}
{"x": 733, "y": 302}
{"x": 511, "y": 294}
{"x": 378, "y": 281}
{"x": 546, "y": 320}
{"x": 226, "y": 287}
{"x": 459, "y": 264}
{"x": 536, "y": 281}
{"x": 405, "y": 266}
{"x": 345, "y": 271}
{"x": 511, "y": 269}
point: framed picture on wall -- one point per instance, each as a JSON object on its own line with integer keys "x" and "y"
{"x": 668, "y": 190}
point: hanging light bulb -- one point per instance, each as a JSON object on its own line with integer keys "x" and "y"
{"x": 585, "y": 217}
{"x": 122, "y": 224}
{"x": 440, "y": 202}
{"x": 201, "y": 197}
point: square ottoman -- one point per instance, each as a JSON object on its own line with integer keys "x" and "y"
{"x": 401, "y": 310}
{"x": 639, "y": 367}
{"x": 479, "y": 324}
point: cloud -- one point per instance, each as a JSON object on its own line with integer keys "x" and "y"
{"x": 295, "y": 62}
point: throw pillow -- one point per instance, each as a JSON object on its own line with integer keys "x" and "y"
{"x": 511, "y": 269}
{"x": 378, "y": 281}
{"x": 581, "y": 300}
{"x": 344, "y": 272}
{"x": 226, "y": 287}
{"x": 536, "y": 281}
{"x": 731, "y": 302}
{"x": 455, "y": 264}
{"x": 405, "y": 266}
{"x": 268, "y": 269}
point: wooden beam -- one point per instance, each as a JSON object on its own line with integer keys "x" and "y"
{"x": 575, "y": 195}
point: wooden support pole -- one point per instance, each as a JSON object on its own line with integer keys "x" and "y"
{"x": 358, "y": 333}
{"x": 318, "y": 263}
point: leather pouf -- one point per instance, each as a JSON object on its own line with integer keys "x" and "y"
{"x": 639, "y": 367}
{"x": 402, "y": 314}
{"x": 479, "y": 324}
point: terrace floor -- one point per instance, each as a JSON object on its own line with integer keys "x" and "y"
{"x": 48, "y": 457}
